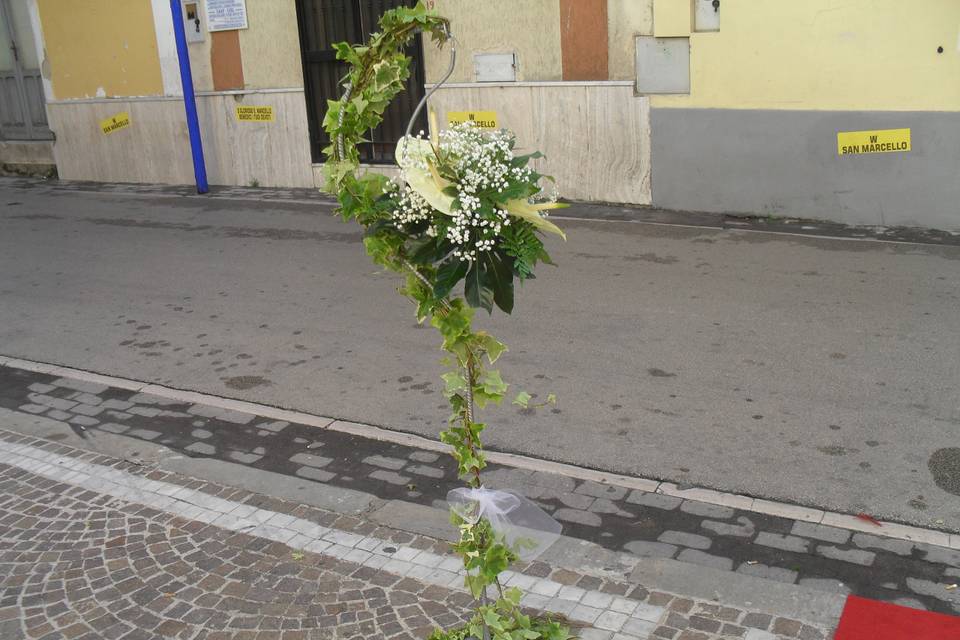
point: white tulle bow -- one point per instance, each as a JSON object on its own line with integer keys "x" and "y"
{"x": 526, "y": 528}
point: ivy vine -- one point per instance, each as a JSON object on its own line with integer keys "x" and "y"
{"x": 377, "y": 73}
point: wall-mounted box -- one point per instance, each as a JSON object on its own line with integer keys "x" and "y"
{"x": 706, "y": 15}
{"x": 193, "y": 22}
{"x": 663, "y": 65}
{"x": 495, "y": 67}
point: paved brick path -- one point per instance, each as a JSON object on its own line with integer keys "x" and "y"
{"x": 94, "y": 547}
{"x": 783, "y": 549}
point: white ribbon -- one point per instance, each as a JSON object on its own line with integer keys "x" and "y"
{"x": 526, "y": 528}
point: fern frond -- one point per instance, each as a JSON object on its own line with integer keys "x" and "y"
{"x": 521, "y": 243}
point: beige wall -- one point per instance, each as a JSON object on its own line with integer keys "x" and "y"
{"x": 271, "y": 46}
{"x": 533, "y": 32}
{"x": 626, "y": 20}
{"x": 155, "y": 147}
{"x": 596, "y": 137}
{"x": 269, "y": 49}
{"x": 530, "y": 28}
{"x": 97, "y": 48}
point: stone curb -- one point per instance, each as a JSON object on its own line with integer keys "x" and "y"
{"x": 587, "y": 211}
{"x": 709, "y": 496}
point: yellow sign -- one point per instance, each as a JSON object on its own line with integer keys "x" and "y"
{"x": 484, "y": 119}
{"x": 255, "y": 114}
{"x": 883, "y": 141}
{"x": 114, "y": 123}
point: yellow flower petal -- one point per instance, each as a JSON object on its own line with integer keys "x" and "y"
{"x": 412, "y": 152}
{"x": 531, "y": 213}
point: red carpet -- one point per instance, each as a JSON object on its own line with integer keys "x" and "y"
{"x": 864, "y": 619}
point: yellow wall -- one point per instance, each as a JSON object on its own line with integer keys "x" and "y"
{"x": 626, "y": 19}
{"x": 530, "y": 28}
{"x": 672, "y": 18}
{"x": 101, "y": 48}
{"x": 826, "y": 55}
{"x": 271, "y": 46}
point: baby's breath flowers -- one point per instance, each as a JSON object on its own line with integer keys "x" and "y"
{"x": 473, "y": 169}
{"x": 467, "y": 205}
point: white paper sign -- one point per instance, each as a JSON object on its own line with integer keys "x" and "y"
{"x": 226, "y": 15}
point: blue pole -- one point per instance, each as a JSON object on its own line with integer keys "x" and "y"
{"x": 189, "y": 100}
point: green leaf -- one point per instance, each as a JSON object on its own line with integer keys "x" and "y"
{"x": 454, "y": 383}
{"x": 522, "y": 244}
{"x": 522, "y": 399}
{"x": 359, "y": 104}
{"x": 386, "y": 74}
{"x": 429, "y": 251}
{"x": 499, "y": 274}
{"x": 493, "y": 347}
{"x": 476, "y": 291}
{"x": 346, "y": 53}
{"x": 476, "y": 584}
{"x": 448, "y": 275}
{"x": 493, "y": 383}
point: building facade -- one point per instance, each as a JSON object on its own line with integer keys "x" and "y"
{"x": 818, "y": 109}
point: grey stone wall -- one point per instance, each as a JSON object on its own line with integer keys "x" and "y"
{"x": 785, "y": 163}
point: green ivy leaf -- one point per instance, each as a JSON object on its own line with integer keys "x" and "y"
{"x": 522, "y": 399}
{"x": 386, "y": 73}
{"x": 476, "y": 584}
{"x": 493, "y": 383}
{"x": 454, "y": 383}
{"x": 346, "y": 53}
{"x": 493, "y": 347}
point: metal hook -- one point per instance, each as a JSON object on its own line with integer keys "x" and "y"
{"x": 453, "y": 61}
{"x": 423, "y": 101}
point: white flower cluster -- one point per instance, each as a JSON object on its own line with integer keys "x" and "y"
{"x": 482, "y": 162}
{"x": 411, "y": 206}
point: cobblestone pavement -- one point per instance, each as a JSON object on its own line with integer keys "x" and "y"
{"x": 645, "y": 524}
{"x": 94, "y": 547}
{"x": 797, "y": 226}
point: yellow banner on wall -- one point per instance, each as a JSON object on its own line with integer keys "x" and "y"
{"x": 115, "y": 123}
{"x": 484, "y": 119}
{"x": 255, "y": 114}
{"x": 881, "y": 141}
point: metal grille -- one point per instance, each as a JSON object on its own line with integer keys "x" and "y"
{"x": 325, "y": 22}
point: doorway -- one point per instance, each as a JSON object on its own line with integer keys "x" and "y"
{"x": 23, "y": 114}
{"x": 325, "y": 22}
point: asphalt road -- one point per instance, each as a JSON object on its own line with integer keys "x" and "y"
{"x": 818, "y": 371}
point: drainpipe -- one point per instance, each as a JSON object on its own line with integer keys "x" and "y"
{"x": 189, "y": 100}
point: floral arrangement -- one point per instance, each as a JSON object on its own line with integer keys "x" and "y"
{"x": 465, "y": 209}
{"x": 470, "y": 204}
